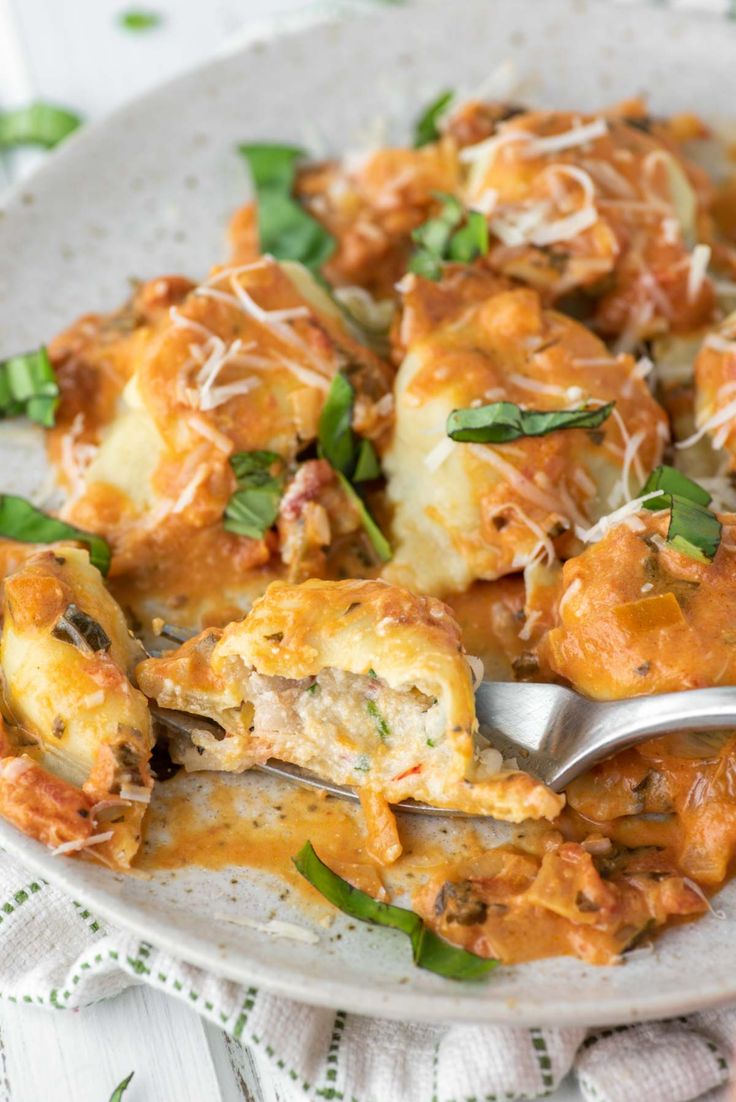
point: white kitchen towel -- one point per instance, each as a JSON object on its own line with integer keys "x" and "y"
{"x": 54, "y": 953}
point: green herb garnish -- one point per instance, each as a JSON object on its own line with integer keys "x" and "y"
{"x": 28, "y": 386}
{"x": 119, "y": 1091}
{"x": 428, "y": 949}
{"x": 19, "y": 520}
{"x": 344, "y": 450}
{"x": 378, "y": 541}
{"x": 38, "y": 124}
{"x": 254, "y": 506}
{"x": 285, "y": 229}
{"x": 135, "y": 19}
{"x": 693, "y": 530}
{"x": 381, "y": 725}
{"x": 501, "y": 422}
{"x": 439, "y": 238}
{"x": 425, "y": 128}
{"x": 353, "y": 458}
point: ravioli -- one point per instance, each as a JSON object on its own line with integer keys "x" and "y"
{"x": 463, "y": 511}
{"x": 637, "y": 616}
{"x": 242, "y": 364}
{"x": 605, "y": 206}
{"x": 77, "y": 739}
{"x": 361, "y": 682}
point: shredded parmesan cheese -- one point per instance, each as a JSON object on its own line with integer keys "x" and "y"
{"x": 434, "y": 459}
{"x": 81, "y": 843}
{"x": 605, "y": 524}
{"x": 720, "y": 417}
{"x": 699, "y": 261}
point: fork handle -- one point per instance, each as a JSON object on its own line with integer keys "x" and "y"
{"x": 619, "y": 724}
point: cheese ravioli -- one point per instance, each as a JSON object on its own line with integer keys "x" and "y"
{"x": 75, "y": 748}
{"x": 468, "y": 511}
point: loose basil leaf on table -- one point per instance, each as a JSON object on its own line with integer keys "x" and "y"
{"x": 38, "y": 124}
{"x": 286, "y": 230}
{"x": 254, "y": 506}
{"x": 19, "y": 520}
{"x": 426, "y": 128}
{"x": 693, "y": 529}
{"x": 137, "y": 19}
{"x": 428, "y": 949}
{"x": 117, "y": 1094}
{"x": 500, "y": 422}
{"x": 28, "y": 386}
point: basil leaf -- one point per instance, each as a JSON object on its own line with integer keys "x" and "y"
{"x": 429, "y": 951}
{"x": 425, "y": 128}
{"x": 336, "y": 441}
{"x": 501, "y": 422}
{"x": 28, "y": 385}
{"x": 424, "y": 264}
{"x": 38, "y": 124}
{"x": 367, "y": 466}
{"x": 671, "y": 481}
{"x": 137, "y": 20}
{"x": 254, "y": 506}
{"x": 19, "y": 520}
{"x": 693, "y": 529}
{"x": 285, "y": 229}
{"x": 439, "y": 239}
{"x": 117, "y": 1094}
{"x": 471, "y": 240}
{"x": 352, "y": 455}
{"x": 378, "y": 541}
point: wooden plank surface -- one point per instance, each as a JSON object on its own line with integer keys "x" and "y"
{"x": 74, "y": 52}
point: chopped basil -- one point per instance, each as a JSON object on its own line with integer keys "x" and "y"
{"x": 354, "y": 456}
{"x": 362, "y": 765}
{"x": 439, "y": 238}
{"x": 381, "y": 725}
{"x": 471, "y": 240}
{"x": 19, "y": 520}
{"x": 378, "y": 541}
{"x": 76, "y": 627}
{"x": 285, "y": 229}
{"x": 28, "y": 386}
{"x": 428, "y": 949}
{"x": 117, "y": 1094}
{"x": 693, "y": 530}
{"x": 671, "y": 481}
{"x": 425, "y": 128}
{"x": 38, "y": 124}
{"x": 254, "y": 506}
{"x": 501, "y": 422}
{"x": 135, "y": 19}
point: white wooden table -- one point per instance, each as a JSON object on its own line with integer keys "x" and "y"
{"x": 74, "y": 52}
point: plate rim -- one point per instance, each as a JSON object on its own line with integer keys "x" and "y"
{"x": 329, "y": 992}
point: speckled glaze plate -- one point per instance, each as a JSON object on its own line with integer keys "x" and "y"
{"x": 149, "y": 191}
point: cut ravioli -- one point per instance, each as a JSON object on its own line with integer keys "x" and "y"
{"x": 465, "y": 511}
{"x": 75, "y": 749}
{"x": 362, "y": 683}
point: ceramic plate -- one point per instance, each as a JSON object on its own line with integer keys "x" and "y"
{"x": 149, "y": 191}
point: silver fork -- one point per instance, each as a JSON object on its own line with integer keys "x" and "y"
{"x": 554, "y": 733}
